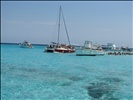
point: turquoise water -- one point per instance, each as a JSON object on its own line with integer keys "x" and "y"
{"x": 31, "y": 74}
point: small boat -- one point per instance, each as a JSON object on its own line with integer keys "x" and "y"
{"x": 58, "y": 47}
{"x": 25, "y": 44}
{"x": 109, "y": 47}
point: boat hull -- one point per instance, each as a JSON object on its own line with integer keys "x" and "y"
{"x": 89, "y": 54}
{"x": 64, "y": 50}
{"x": 49, "y": 50}
{"x": 23, "y": 46}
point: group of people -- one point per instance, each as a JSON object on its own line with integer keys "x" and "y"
{"x": 61, "y": 46}
{"x": 120, "y": 53}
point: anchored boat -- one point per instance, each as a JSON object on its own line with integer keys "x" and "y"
{"x": 25, "y": 44}
{"x": 58, "y": 47}
{"x": 89, "y": 49}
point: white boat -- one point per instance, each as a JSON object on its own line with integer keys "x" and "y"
{"x": 89, "y": 49}
{"x": 109, "y": 47}
{"x": 61, "y": 48}
{"x": 25, "y": 44}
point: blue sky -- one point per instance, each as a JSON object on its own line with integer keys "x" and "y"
{"x": 36, "y": 21}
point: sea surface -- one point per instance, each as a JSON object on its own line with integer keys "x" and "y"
{"x": 32, "y": 74}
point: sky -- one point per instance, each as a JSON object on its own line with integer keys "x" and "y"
{"x": 101, "y": 22}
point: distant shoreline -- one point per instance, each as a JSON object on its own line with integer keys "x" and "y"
{"x": 18, "y": 43}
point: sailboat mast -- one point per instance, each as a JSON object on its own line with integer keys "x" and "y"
{"x": 59, "y": 24}
{"x": 65, "y": 28}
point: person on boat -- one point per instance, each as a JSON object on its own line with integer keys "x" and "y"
{"x": 50, "y": 46}
{"x": 28, "y": 44}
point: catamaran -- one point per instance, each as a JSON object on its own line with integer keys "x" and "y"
{"x": 58, "y": 47}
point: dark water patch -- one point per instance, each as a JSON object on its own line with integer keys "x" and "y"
{"x": 18, "y": 68}
{"x": 75, "y": 78}
{"x": 12, "y": 68}
{"x": 44, "y": 65}
{"x": 97, "y": 90}
{"x": 113, "y": 99}
{"x": 112, "y": 79}
{"x": 49, "y": 73}
{"x": 22, "y": 76}
{"x": 66, "y": 84}
{"x": 25, "y": 95}
{"x": 28, "y": 69}
{"x": 6, "y": 66}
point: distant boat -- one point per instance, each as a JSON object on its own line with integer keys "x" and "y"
{"x": 109, "y": 47}
{"x": 89, "y": 49}
{"x": 25, "y": 44}
{"x": 57, "y": 47}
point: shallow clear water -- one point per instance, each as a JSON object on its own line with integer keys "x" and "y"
{"x": 31, "y": 74}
